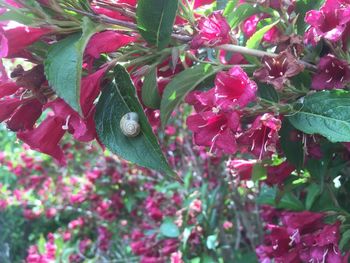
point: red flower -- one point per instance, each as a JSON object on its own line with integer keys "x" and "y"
{"x": 45, "y": 137}
{"x": 213, "y": 31}
{"x": 106, "y": 42}
{"x": 19, "y": 38}
{"x": 262, "y": 136}
{"x": 332, "y": 73}
{"x": 90, "y": 88}
{"x": 329, "y": 22}
{"x": 25, "y": 116}
{"x": 277, "y": 70}
{"x": 215, "y": 130}
{"x": 234, "y": 89}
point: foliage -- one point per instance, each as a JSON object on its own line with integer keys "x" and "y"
{"x": 243, "y": 149}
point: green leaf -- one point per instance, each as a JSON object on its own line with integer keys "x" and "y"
{"x": 345, "y": 240}
{"x": 267, "y": 92}
{"x": 326, "y": 113}
{"x": 221, "y": 4}
{"x": 212, "y": 242}
{"x": 291, "y": 145}
{"x": 259, "y": 172}
{"x": 268, "y": 195}
{"x": 239, "y": 14}
{"x": 18, "y": 16}
{"x": 63, "y": 65}
{"x": 230, "y": 6}
{"x": 41, "y": 244}
{"x": 313, "y": 191}
{"x": 169, "y": 229}
{"x": 150, "y": 94}
{"x": 180, "y": 86}
{"x": 117, "y": 99}
{"x": 255, "y": 39}
{"x": 155, "y": 20}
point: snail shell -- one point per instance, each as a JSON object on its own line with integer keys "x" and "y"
{"x": 129, "y": 124}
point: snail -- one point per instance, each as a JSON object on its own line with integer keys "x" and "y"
{"x": 129, "y": 124}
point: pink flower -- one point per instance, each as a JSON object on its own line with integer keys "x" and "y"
{"x": 279, "y": 173}
{"x": 25, "y": 116}
{"x": 277, "y": 70}
{"x": 90, "y": 88}
{"x": 106, "y": 42}
{"x": 234, "y": 89}
{"x": 332, "y": 73}
{"x": 213, "y": 31}
{"x": 329, "y": 22}
{"x": 227, "y": 225}
{"x": 241, "y": 168}
{"x": 262, "y": 136}
{"x": 17, "y": 39}
{"x": 215, "y": 130}
{"x": 45, "y": 137}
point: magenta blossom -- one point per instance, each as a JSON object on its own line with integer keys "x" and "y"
{"x": 234, "y": 89}
{"x": 213, "y": 31}
{"x": 262, "y": 137}
{"x": 303, "y": 237}
{"x": 277, "y": 70}
{"x": 330, "y": 22}
{"x": 332, "y": 73}
{"x": 215, "y": 130}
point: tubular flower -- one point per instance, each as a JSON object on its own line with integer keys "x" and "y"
{"x": 213, "y": 31}
{"x": 332, "y": 73}
{"x": 234, "y": 89}
{"x": 277, "y": 70}
{"x": 330, "y": 22}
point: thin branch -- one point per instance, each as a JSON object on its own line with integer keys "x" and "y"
{"x": 257, "y": 53}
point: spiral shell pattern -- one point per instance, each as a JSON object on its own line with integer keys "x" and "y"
{"x": 129, "y": 124}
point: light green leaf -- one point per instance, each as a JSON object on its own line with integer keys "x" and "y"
{"x": 255, "y": 39}
{"x": 212, "y": 242}
{"x": 117, "y": 99}
{"x": 155, "y": 20}
{"x": 326, "y": 113}
{"x": 150, "y": 94}
{"x": 169, "y": 229}
{"x": 239, "y": 14}
{"x": 230, "y": 6}
{"x": 63, "y": 65}
{"x": 181, "y": 85}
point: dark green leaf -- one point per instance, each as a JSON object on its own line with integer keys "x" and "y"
{"x": 150, "y": 94}
{"x": 345, "y": 240}
{"x": 155, "y": 20}
{"x": 326, "y": 113}
{"x": 169, "y": 229}
{"x": 180, "y": 86}
{"x": 117, "y": 99}
{"x": 63, "y": 65}
{"x": 268, "y": 196}
{"x": 292, "y": 146}
{"x": 267, "y": 92}
{"x": 313, "y": 191}
{"x": 255, "y": 39}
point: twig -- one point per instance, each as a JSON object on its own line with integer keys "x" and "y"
{"x": 257, "y": 53}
